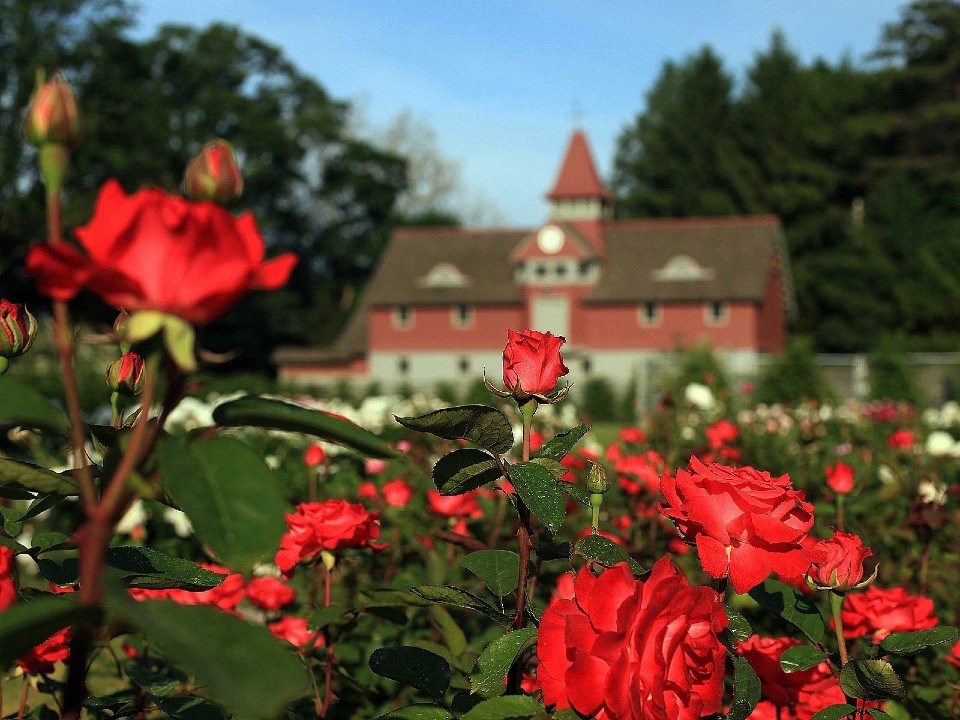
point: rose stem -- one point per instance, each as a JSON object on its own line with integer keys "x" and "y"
{"x": 527, "y": 411}
{"x": 327, "y": 645}
{"x": 924, "y": 566}
{"x": 836, "y": 603}
{"x": 63, "y": 341}
{"x": 93, "y": 537}
{"x": 840, "y": 513}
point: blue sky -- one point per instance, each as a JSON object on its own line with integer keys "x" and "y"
{"x": 501, "y": 82}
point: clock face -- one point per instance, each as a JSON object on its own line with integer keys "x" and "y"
{"x": 550, "y": 239}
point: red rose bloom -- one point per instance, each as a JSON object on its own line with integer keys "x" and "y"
{"x": 801, "y": 694}
{"x": 840, "y": 562}
{"x": 326, "y": 525}
{"x": 225, "y": 596}
{"x": 744, "y": 522}
{"x": 901, "y": 440}
{"x": 623, "y": 648}
{"x": 840, "y": 478}
{"x": 631, "y": 435}
{"x": 721, "y": 433}
{"x": 532, "y": 363}
{"x": 8, "y": 590}
{"x": 153, "y": 251}
{"x": 879, "y": 612}
{"x": 43, "y": 657}
{"x": 397, "y": 493}
{"x": 268, "y": 593}
{"x": 463, "y": 505}
{"x": 314, "y": 455}
{"x": 295, "y": 631}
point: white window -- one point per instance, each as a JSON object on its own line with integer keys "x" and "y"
{"x": 402, "y": 317}
{"x": 649, "y": 313}
{"x": 462, "y": 316}
{"x": 716, "y": 312}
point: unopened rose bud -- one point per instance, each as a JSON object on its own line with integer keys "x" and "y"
{"x": 18, "y": 328}
{"x": 839, "y": 564}
{"x": 212, "y": 174}
{"x": 52, "y": 116}
{"x": 125, "y": 374}
{"x": 597, "y": 479}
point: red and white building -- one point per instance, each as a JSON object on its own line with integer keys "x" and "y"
{"x": 622, "y": 292}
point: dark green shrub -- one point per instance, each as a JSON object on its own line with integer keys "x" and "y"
{"x": 794, "y": 376}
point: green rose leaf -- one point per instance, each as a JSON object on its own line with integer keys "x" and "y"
{"x": 738, "y": 627}
{"x": 281, "y": 415}
{"x": 878, "y": 714}
{"x": 494, "y": 662}
{"x": 558, "y": 446}
{"x": 188, "y": 707}
{"x": 576, "y": 492}
{"x": 871, "y": 680}
{"x": 252, "y": 673}
{"x": 499, "y": 569}
{"x": 605, "y": 551}
{"x": 328, "y": 616}
{"x": 142, "y": 567}
{"x": 746, "y": 690}
{"x": 229, "y": 494}
{"x": 24, "y": 476}
{"x": 413, "y": 666}
{"x": 25, "y": 625}
{"x": 418, "y": 712}
{"x": 507, "y": 706}
{"x": 450, "y": 595}
{"x": 801, "y": 657}
{"x": 464, "y": 470}
{"x": 909, "y": 643}
{"x": 834, "y": 712}
{"x": 792, "y": 606}
{"x": 21, "y": 405}
{"x": 486, "y": 426}
{"x": 537, "y": 487}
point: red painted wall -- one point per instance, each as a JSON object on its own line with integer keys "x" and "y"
{"x": 433, "y": 328}
{"x": 772, "y": 322}
{"x": 319, "y": 372}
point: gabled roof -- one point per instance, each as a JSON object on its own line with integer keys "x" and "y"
{"x": 481, "y": 259}
{"x": 689, "y": 259}
{"x": 578, "y": 177}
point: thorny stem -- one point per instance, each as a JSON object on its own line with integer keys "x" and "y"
{"x": 836, "y": 603}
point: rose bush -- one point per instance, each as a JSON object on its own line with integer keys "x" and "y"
{"x": 625, "y": 648}
{"x": 154, "y": 251}
{"x": 744, "y": 522}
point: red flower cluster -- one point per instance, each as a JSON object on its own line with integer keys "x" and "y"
{"x": 798, "y": 694}
{"x": 901, "y": 440}
{"x": 532, "y": 363}
{"x": 8, "y": 590}
{"x": 268, "y": 593}
{"x": 644, "y": 467}
{"x": 744, "y": 522}
{"x": 720, "y": 435}
{"x": 623, "y": 648}
{"x": 326, "y": 525}
{"x": 226, "y": 596}
{"x": 879, "y": 612}
{"x": 153, "y": 251}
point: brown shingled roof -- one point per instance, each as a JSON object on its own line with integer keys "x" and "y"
{"x": 481, "y": 256}
{"x": 578, "y": 177}
{"x": 733, "y": 253}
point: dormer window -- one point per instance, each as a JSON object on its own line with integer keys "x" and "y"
{"x": 462, "y": 316}
{"x": 444, "y": 275}
{"x": 682, "y": 268}
{"x": 649, "y": 313}
{"x": 716, "y": 312}
{"x": 402, "y": 317}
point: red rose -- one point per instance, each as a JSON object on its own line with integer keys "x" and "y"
{"x": 464, "y": 505}
{"x": 18, "y": 328}
{"x": 153, "y": 251}
{"x": 646, "y": 466}
{"x": 532, "y": 363}
{"x": 314, "y": 455}
{"x": 326, "y": 525}
{"x": 623, "y": 648}
{"x": 840, "y": 562}
{"x": 295, "y": 631}
{"x": 631, "y": 435}
{"x": 212, "y": 174}
{"x": 225, "y": 596}
{"x": 901, "y": 440}
{"x": 721, "y": 433}
{"x": 268, "y": 593}
{"x": 43, "y": 657}
{"x": 879, "y": 612}
{"x": 744, "y": 522}
{"x": 8, "y": 589}
{"x": 954, "y": 657}
{"x": 800, "y": 693}
{"x": 840, "y": 478}
{"x": 397, "y": 493}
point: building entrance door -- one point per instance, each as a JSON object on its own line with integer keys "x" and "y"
{"x": 551, "y": 313}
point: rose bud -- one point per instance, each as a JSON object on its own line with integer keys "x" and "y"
{"x": 52, "y": 116}
{"x": 840, "y": 478}
{"x": 125, "y": 374}
{"x": 597, "y": 479}
{"x": 212, "y": 174}
{"x": 314, "y": 455}
{"x": 18, "y": 328}
{"x": 840, "y": 563}
{"x": 532, "y": 365}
